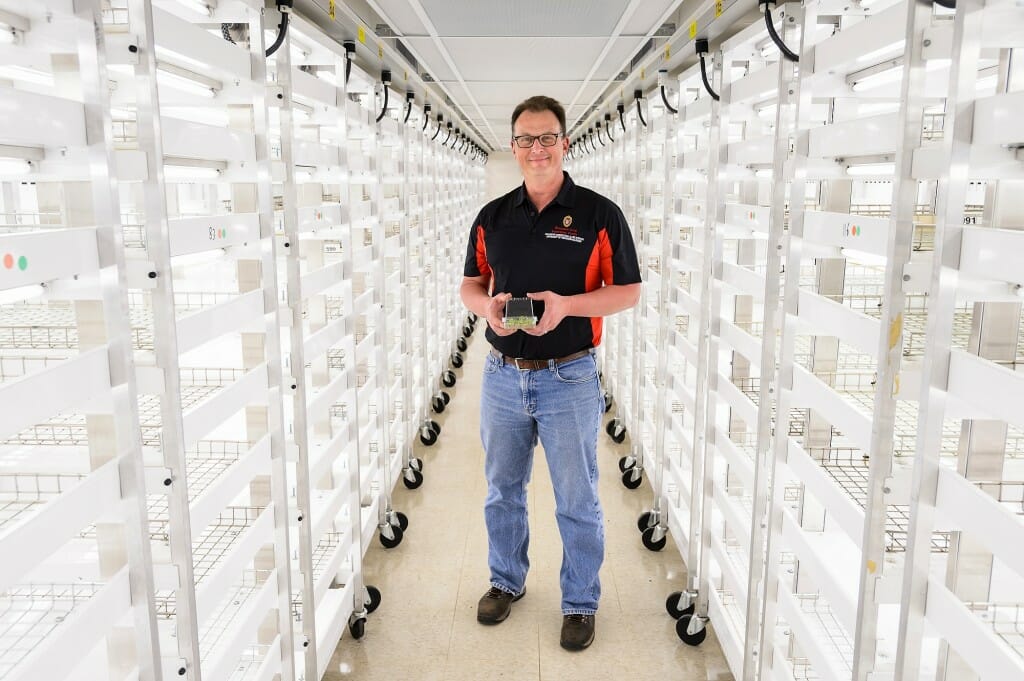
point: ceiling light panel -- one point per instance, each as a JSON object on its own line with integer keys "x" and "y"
{"x": 518, "y": 58}
{"x": 493, "y": 18}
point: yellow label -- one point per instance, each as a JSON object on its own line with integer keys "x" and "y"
{"x": 896, "y": 385}
{"x": 718, "y": 8}
{"x": 668, "y": 53}
{"x": 361, "y": 34}
{"x": 872, "y": 567}
{"x": 380, "y": 50}
{"x": 693, "y": 30}
{"x": 405, "y": 75}
{"x": 642, "y": 76}
{"x": 330, "y": 10}
{"x": 895, "y": 329}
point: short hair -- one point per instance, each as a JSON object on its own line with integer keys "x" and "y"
{"x": 537, "y": 104}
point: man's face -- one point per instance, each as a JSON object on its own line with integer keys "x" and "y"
{"x": 539, "y": 162}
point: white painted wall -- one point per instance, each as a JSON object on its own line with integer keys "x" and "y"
{"x": 502, "y": 173}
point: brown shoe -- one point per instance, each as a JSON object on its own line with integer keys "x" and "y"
{"x": 495, "y": 605}
{"x": 577, "y": 631}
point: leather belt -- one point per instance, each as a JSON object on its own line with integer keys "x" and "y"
{"x": 534, "y": 364}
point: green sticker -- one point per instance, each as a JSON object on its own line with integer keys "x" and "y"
{"x": 22, "y": 263}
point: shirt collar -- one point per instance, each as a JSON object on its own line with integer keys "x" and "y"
{"x": 566, "y": 195}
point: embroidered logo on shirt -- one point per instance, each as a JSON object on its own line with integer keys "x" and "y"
{"x": 566, "y": 232}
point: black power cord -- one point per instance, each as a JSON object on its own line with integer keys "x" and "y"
{"x": 661, "y": 85}
{"x": 285, "y": 8}
{"x": 608, "y": 126}
{"x": 621, "y": 108}
{"x": 385, "y": 79}
{"x": 638, "y": 95}
{"x": 701, "y": 46}
{"x": 409, "y": 96}
{"x": 786, "y": 52}
{"x": 350, "y": 49}
{"x": 440, "y": 117}
{"x": 599, "y": 138}
{"x": 448, "y": 135}
{"x": 426, "y": 116}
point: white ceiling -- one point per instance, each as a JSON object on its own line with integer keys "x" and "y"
{"x": 489, "y": 55}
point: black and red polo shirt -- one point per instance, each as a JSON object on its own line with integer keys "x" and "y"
{"x": 577, "y": 244}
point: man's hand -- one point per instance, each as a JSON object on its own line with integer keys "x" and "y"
{"x": 556, "y": 308}
{"x": 495, "y": 311}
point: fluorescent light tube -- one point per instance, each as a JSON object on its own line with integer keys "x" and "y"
{"x": 181, "y": 79}
{"x": 14, "y": 166}
{"x": 862, "y": 169}
{"x": 190, "y": 173}
{"x": 26, "y": 75}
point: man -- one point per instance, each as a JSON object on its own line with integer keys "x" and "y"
{"x": 570, "y": 251}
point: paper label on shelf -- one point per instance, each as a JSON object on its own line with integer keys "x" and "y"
{"x": 330, "y": 10}
{"x": 718, "y": 8}
{"x": 361, "y": 34}
{"x": 693, "y": 30}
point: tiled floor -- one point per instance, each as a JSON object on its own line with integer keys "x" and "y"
{"x": 426, "y": 628}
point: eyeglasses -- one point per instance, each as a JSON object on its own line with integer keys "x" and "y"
{"x": 548, "y": 139}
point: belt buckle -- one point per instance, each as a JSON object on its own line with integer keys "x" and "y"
{"x": 515, "y": 361}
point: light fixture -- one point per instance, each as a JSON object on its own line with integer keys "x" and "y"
{"x": 189, "y": 81}
{"x": 188, "y": 169}
{"x": 12, "y": 27}
{"x": 26, "y": 75}
{"x": 766, "y": 111}
{"x": 18, "y": 160}
{"x": 763, "y": 173}
{"x": 14, "y": 166}
{"x": 21, "y": 293}
{"x": 873, "y": 76}
{"x": 881, "y": 52}
{"x": 163, "y": 53}
{"x": 869, "y": 169}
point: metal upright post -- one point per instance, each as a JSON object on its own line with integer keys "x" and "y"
{"x": 298, "y": 387}
{"x": 92, "y": 70}
{"x": 703, "y": 480}
{"x": 788, "y": 87}
{"x": 165, "y": 340}
{"x": 890, "y": 350}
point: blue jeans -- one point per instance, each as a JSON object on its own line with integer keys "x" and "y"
{"x": 561, "y": 404}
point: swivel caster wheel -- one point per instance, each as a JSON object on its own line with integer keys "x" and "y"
{"x": 619, "y": 435}
{"x": 607, "y": 402}
{"x": 456, "y": 360}
{"x": 448, "y": 378}
{"x": 372, "y": 600}
{"x": 627, "y": 463}
{"x": 467, "y": 330}
{"x": 672, "y": 606}
{"x": 437, "y": 404}
{"x": 694, "y": 639}
{"x": 473, "y": 316}
{"x": 652, "y": 544}
{"x": 632, "y": 478}
{"x": 412, "y": 479}
{"x": 646, "y": 520}
{"x": 611, "y": 426}
{"x": 357, "y": 627}
{"x": 394, "y": 540}
{"x": 461, "y": 344}
{"x": 416, "y": 464}
{"x": 434, "y": 426}
{"x": 399, "y": 520}
{"x": 446, "y": 397}
{"x": 428, "y": 436}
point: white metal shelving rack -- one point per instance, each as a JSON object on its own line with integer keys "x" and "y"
{"x": 863, "y": 340}
{"x": 76, "y": 587}
{"x": 162, "y": 195}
